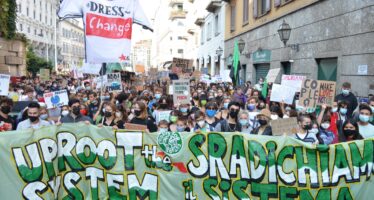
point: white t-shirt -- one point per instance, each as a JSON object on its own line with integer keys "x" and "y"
{"x": 26, "y": 124}
{"x": 366, "y": 131}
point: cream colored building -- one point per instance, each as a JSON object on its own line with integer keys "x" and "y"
{"x": 141, "y": 54}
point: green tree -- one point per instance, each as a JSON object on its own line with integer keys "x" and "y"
{"x": 35, "y": 63}
{"x": 8, "y": 18}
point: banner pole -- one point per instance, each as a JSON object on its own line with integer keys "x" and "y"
{"x": 103, "y": 67}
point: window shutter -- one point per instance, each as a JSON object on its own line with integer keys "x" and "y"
{"x": 255, "y": 8}
{"x": 277, "y": 3}
{"x": 268, "y": 6}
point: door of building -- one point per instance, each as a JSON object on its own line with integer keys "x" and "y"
{"x": 327, "y": 69}
{"x": 262, "y": 71}
{"x": 286, "y": 66}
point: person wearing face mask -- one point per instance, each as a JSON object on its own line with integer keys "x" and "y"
{"x": 174, "y": 116}
{"x": 326, "y": 135}
{"x": 304, "y": 134}
{"x": 347, "y": 96}
{"x": 6, "y": 106}
{"x": 260, "y": 84}
{"x": 244, "y": 122}
{"x": 109, "y": 118}
{"x": 162, "y": 108}
{"x": 231, "y": 124}
{"x": 327, "y": 122}
{"x": 141, "y": 117}
{"x": 263, "y": 118}
{"x": 351, "y": 130}
{"x": 44, "y": 114}
{"x": 184, "y": 109}
{"x": 366, "y": 129}
{"x": 239, "y": 96}
{"x": 211, "y": 111}
{"x": 30, "y": 95}
{"x": 75, "y": 114}
{"x": 252, "y": 107}
{"x": 195, "y": 99}
{"x": 182, "y": 125}
{"x": 163, "y": 126}
{"x": 339, "y": 118}
{"x": 201, "y": 124}
{"x": 33, "y": 121}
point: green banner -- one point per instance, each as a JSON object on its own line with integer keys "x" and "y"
{"x": 79, "y": 161}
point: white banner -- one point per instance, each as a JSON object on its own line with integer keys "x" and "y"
{"x": 56, "y": 99}
{"x": 4, "y": 84}
{"x": 283, "y": 93}
{"x": 293, "y": 81}
{"x": 108, "y": 26}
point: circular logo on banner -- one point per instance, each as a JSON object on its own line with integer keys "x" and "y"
{"x": 55, "y": 99}
{"x": 169, "y": 142}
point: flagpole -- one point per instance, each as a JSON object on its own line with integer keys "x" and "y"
{"x": 102, "y": 79}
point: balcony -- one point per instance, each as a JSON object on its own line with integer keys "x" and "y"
{"x": 177, "y": 14}
{"x": 200, "y": 21}
{"x": 213, "y": 5}
{"x": 227, "y": 1}
{"x": 175, "y": 2}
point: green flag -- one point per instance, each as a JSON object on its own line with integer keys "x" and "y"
{"x": 234, "y": 73}
{"x": 264, "y": 91}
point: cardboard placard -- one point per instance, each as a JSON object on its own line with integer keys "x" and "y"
{"x": 114, "y": 83}
{"x": 181, "y": 91}
{"x": 163, "y": 115}
{"x": 100, "y": 81}
{"x": 56, "y": 99}
{"x": 309, "y": 93}
{"x": 4, "y": 84}
{"x": 326, "y": 92}
{"x": 196, "y": 75}
{"x": 282, "y": 126}
{"x": 283, "y": 93}
{"x": 181, "y": 65}
{"x": 135, "y": 127}
{"x": 272, "y": 75}
{"x": 293, "y": 81}
{"x": 44, "y": 74}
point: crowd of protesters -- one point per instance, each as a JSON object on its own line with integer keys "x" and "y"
{"x": 217, "y": 107}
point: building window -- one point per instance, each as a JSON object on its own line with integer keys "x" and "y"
{"x": 232, "y": 18}
{"x": 19, "y": 8}
{"x": 27, "y": 11}
{"x": 180, "y": 38}
{"x": 40, "y": 17}
{"x": 20, "y": 27}
{"x": 28, "y": 30}
{"x": 209, "y": 31}
{"x": 260, "y": 7}
{"x": 180, "y": 51}
{"x": 180, "y": 24}
{"x": 180, "y": 7}
{"x": 216, "y": 24}
{"x": 34, "y": 14}
{"x": 34, "y": 31}
{"x": 171, "y": 38}
{"x": 245, "y": 11}
{"x": 202, "y": 35}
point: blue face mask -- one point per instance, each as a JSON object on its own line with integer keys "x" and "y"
{"x": 243, "y": 122}
{"x": 211, "y": 113}
{"x": 180, "y": 128}
{"x": 85, "y": 99}
{"x": 226, "y": 105}
{"x": 157, "y": 96}
{"x": 343, "y": 111}
{"x": 251, "y": 107}
{"x": 364, "y": 118}
{"x": 345, "y": 92}
{"x": 162, "y": 130}
{"x": 183, "y": 110}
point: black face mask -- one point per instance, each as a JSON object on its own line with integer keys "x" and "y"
{"x": 349, "y": 133}
{"x": 76, "y": 111}
{"x": 196, "y": 97}
{"x": 262, "y": 122}
{"x": 5, "y": 109}
{"x": 234, "y": 114}
{"x": 33, "y": 118}
{"x": 163, "y": 106}
{"x": 307, "y": 127}
{"x": 108, "y": 114}
{"x": 137, "y": 113}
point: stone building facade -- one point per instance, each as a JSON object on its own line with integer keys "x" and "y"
{"x": 12, "y": 57}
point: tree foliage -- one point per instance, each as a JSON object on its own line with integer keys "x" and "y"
{"x": 8, "y": 18}
{"x": 35, "y": 63}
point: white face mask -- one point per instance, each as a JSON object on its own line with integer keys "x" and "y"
{"x": 274, "y": 117}
{"x": 65, "y": 113}
{"x": 325, "y": 125}
{"x": 201, "y": 123}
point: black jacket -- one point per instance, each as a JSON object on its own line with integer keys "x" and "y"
{"x": 268, "y": 131}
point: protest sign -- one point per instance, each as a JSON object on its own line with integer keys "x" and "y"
{"x": 170, "y": 89}
{"x": 326, "y": 92}
{"x": 225, "y": 74}
{"x": 114, "y": 83}
{"x": 284, "y": 126}
{"x": 272, "y": 75}
{"x": 78, "y": 161}
{"x": 196, "y": 75}
{"x": 94, "y": 69}
{"x": 309, "y": 93}
{"x": 181, "y": 91}
{"x": 100, "y": 81}
{"x": 162, "y": 115}
{"x": 56, "y": 99}
{"x": 181, "y": 65}
{"x": 283, "y": 93}
{"x": 135, "y": 127}
{"x": 293, "y": 81}
{"x": 163, "y": 75}
{"x": 44, "y": 74}
{"x": 4, "y": 84}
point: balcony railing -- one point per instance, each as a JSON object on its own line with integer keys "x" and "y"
{"x": 177, "y": 14}
{"x": 174, "y": 2}
{"x": 213, "y": 5}
{"x": 200, "y": 21}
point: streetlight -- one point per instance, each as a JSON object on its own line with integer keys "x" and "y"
{"x": 241, "y": 44}
{"x": 219, "y": 52}
{"x": 284, "y": 32}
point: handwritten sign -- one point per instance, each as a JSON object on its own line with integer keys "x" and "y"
{"x": 163, "y": 115}
{"x": 272, "y": 75}
{"x": 326, "y": 92}
{"x": 44, "y": 74}
{"x": 4, "y": 84}
{"x": 181, "y": 65}
{"x": 293, "y": 81}
{"x": 114, "y": 83}
{"x": 135, "y": 127}
{"x": 283, "y": 93}
{"x": 309, "y": 93}
{"x": 56, "y": 99}
{"x": 181, "y": 91}
{"x": 284, "y": 126}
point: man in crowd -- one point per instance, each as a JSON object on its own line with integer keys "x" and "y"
{"x": 348, "y": 96}
{"x": 75, "y": 115}
{"x": 6, "y": 106}
{"x": 33, "y": 121}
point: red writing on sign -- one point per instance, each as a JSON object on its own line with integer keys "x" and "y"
{"x": 181, "y": 97}
{"x": 108, "y": 27}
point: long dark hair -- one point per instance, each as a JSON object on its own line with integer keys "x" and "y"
{"x": 355, "y": 124}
